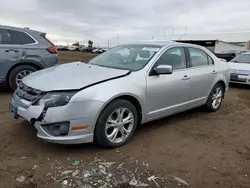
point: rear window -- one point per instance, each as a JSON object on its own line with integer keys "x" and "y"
{"x": 21, "y": 38}
{"x": 5, "y": 37}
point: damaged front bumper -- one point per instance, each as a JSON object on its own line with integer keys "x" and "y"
{"x": 70, "y": 124}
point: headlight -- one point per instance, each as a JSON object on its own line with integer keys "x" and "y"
{"x": 54, "y": 99}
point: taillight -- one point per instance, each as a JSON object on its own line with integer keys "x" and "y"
{"x": 51, "y": 49}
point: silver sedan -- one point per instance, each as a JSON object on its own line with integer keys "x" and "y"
{"x": 106, "y": 99}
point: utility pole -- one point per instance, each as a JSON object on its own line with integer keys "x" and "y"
{"x": 173, "y": 31}
{"x": 108, "y": 43}
{"x": 118, "y": 38}
{"x": 164, "y": 31}
{"x": 185, "y": 30}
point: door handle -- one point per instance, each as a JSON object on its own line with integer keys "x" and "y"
{"x": 186, "y": 77}
{"x": 11, "y": 50}
{"x": 214, "y": 72}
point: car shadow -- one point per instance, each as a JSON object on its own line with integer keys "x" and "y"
{"x": 5, "y": 89}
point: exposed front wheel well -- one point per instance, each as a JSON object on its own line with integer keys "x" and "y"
{"x": 222, "y": 83}
{"x": 135, "y": 102}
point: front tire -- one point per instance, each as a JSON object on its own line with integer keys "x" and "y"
{"x": 18, "y": 73}
{"x": 215, "y": 98}
{"x": 116, "y": 124}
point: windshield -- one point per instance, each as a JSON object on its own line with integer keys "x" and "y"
{"x": 128, "y": 57}
{"x": 242, "y": 58}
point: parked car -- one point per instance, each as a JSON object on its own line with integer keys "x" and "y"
{"x": 82, "y": 48}
{"x": 23, "y": 51}
{"x": 86, "y": 49}
{"x": 72, "y": 48}
{"x": 240, "y": 69}
{"x": 226, "y": 56}
{"x": 106, "y": 99}
{"x": 99, "y": 50}
{"x": 62, "y": 48}
{"x": 229, "y": 54}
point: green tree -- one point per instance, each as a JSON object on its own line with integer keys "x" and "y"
{"x": 90, "y": 43}
{"x": 76, "y": 44}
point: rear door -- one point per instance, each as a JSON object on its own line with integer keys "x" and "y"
{"x": 12, "y": 48}
{"x": 202, "y": 73}
{"x": 8, "y": 53}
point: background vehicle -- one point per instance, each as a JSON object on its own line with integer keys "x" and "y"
{"x": 229, "y": 55}
{"x": 72, "y": 48}
{"x": 82, "y": 48}
{"x": 99, "y": 50}
{"x": 86, "y": 49}
{"x": 62, "y": 48}
{"x": 128, "y": 85}
{"x": 226, "y": 56}
{"x": 240, "y": 69}
{"x": 23, "y": 51}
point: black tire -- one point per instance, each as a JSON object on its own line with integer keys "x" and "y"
{"x": 14, "y": 73}
{"x": 100, "y": 135}
{"x": 208, "y": 106}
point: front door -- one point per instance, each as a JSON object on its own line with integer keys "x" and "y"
{"x": 167, "y": 94}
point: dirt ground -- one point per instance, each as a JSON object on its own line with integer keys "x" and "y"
{"x": 209, "y": 150}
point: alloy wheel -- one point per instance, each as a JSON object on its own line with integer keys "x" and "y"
{"x": 119, "y": 125}
{"x": 21, "y": 75}
{"x": 217, "y": 97}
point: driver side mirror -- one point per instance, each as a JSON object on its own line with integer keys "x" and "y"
{"x": 163, "y": 69}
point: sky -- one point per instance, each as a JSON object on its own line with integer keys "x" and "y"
{"x": 119, "y": 21}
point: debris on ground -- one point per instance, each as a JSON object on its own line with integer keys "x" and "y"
{"x": 66, "y": 172}
{"x": 35, "y": 167}
{"x": 107, "y": 164}
{"x": 120, "y": 165}
{"x": 180, "y": 180}
{"x": 75, "y": 173}
{"x": 21, "y": 179}
{"x": 65, "y": 182}
{"x": 102, "y": 174}
{"x": 153, "y": 178}
{"x": 75, "y": 163}
{"x": 133, "y": 182}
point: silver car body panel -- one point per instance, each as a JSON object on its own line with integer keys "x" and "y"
{"x": 158, "y": 96}
{"x": 71, "y": 76}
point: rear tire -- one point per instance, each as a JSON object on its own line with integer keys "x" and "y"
{"x": 215, "y": 98}
{"x": 109, "y": 117}
{"x": 18, "y": 71}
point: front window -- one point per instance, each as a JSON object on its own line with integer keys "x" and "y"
{"x": 174, "y": 57}
{"x": 242, "y": 58}
{"x": 131, "y": 57}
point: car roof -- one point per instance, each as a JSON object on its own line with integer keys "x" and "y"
{"x": 26, "y": 29}
{"x": 154, "y": 42}
{"x": 162, "y": 43}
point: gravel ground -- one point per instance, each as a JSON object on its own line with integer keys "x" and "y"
{"x": 195, "y": 148}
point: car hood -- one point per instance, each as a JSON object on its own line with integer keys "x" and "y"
{"x": 239, "y": 66}
{"x": 71, "y": 76}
